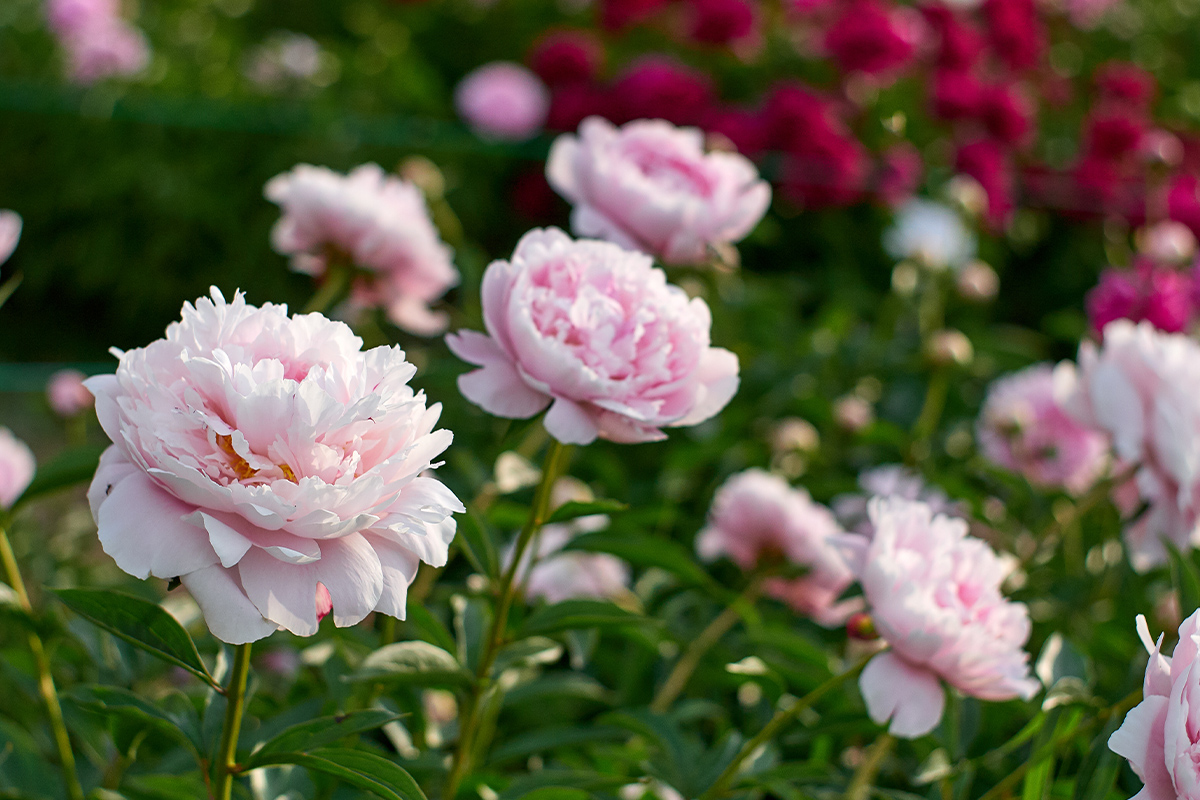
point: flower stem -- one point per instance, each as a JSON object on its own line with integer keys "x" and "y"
{"x": 556, "y": 459}
{"x": 235, "y": 697}
{"x": 686, "y": 665}
{"x": 332, "y": 290}
{"x": 62, "y": 741}
{"x": 783, "y": 717}
{"x": 864, "y": 776}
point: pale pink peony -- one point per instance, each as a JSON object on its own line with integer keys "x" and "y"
{"x": 99, "y": 43}
{"x": 597, "y": 331}
{"x": 756, "y": 517}
{"x": 17, "y": 467}
{"x": 10, "y": 233}
{"x": 1159, "y": 736}
{"x": 1023, "y": 428}
{"x": 650, "y": 186}
{"x": 1140, "y": 389}
{"x": 504, "y": 101}
{"x": 258, "y": 457}
{"x": 67, "y": 394}
{"x": 375, "y": 221}
{"x": 933, "y": 593}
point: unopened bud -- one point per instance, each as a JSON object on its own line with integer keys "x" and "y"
{"x": 904, "y": 278}
{"x": 853, "y": 413}
{"x": 947, "y": 347}
{"x": 425, "y": 174}
{"x": 977, "y": 282}
{"x": 860, "y": 626}
{"x": 1167, "y": 242}
{"x": 968, "y": 194}
{"x": 795, "y": 434}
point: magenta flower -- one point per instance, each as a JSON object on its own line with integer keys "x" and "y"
{"x": 721, "y": 22}
{"x": 1152, "y": 292}
{"x": 17, "y": 467}
{"x": 503, "y": 101}
{"x": 259, "y": 457}
{"x": 567, "y": 57}
{"x": 1023, "y": 428}
{"x": 650, "y": 186}
{"x": 374, "y": 221}
{"x": 596, "y": 333}
{"x": 933, "y": 593}
{"x": 757, "y": 516}
{"x": 659, "y": 87}
{"x": 871, "y": 37}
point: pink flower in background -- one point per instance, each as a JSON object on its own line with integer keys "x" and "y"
{"x": 872, "y": 37}
{"x": 823, "y": 164}
{"x": 720, "y": 22}
{"x": 933, "y": 593}
{"x": 959, "y": 43}
{"x": 756, "y": 517}
{"x": 1124, "y": 83}
{"x": 899, "y": 174}
{"x": 659, "y": 87}
{"x": 10, "y": 233}
{"x": 745, "y": 129}
{"x": 378, "y": 223}
{"x": 572, "y": 103}
{"x": 1023, "y": 428}
{"x": 616, "y": 15}
{"x": 1007, "y": 113}
{"x": 650, "y": 186}
{"x": 890, "y": 480}
{"x": 1016, "y": 31}
{"x": 99, "y": 43}
{"x": 957, "y": 94}
{"x": 1139, "y": 387}
{"x": 1158, "y": 735}
{"x": 67, "y": 394}
{"x": 17, "y": 468}
{"x": 990, "y": 164}
{"x": 596, "y": 333}
{"x": 566, "y": 57}
{"x": 258, "y": 457}
{"x": 503, "y": 101}
{"x": 1153, "y": 292}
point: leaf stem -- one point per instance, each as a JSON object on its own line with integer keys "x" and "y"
{"x": 62, "y": 741}
{"x": 864, "y": 776}
{"x": 235, "y": 699}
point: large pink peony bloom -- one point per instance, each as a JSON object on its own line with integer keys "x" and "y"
{"x": 650, "y": 186}
{"x": 1140, "y": 389}
{"x": 1023, "y": 428}
{"x": 934, "y": 596}
{"x": 260, "y": 458}
{"x": 379, "y": 223}
{"x": 755, "y": 516}
{"x": 1159, "y": 735}
{"x": 17, "y": 467}
{"x": 10, "y": 233}
{"x": 597, "y": 331}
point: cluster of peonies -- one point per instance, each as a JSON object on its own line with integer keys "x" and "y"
{"x": 99, "y": 42}
{"x": 375, "y": 223}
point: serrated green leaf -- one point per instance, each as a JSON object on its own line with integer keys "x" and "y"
{"x": 358, "y": 768}
{"x": 644, "y": 551}
{"x": 573, "y": 614}
{"x": 71, "y": 467}
{"x": 310, "y": 735}
{"x": 411, "y": 662}
{"x": 574, "y": 509}
{"x": 139, "y": 622}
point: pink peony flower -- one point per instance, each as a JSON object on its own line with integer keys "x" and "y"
{"x": 1139, "y": 388}
{"x": 934, "y": 595}
{"x": 899, "y": 174}
{"x": 957, "y": 94}
{"x": 659, "y": 87}
{"x": 567, "y": 56}
{"x": 10, "y": 233}
{"x": 1017, "y": 33}
{"x": 1159, "y": 736}
{"x": 597, "y": 331}
{"x": 720, "y": 22}
{"x": 757, "y": 516}
{"x": 616, "y": 15}
{"x": 823, "y": 164}
{"x": 67, "y": 394}
{"x": 1156, "y": 293}
{"x": 958, "y": 43}
{"x": 258, "y": 457}
{"x": 377, "y": 222}
{"x": 572, "y": 103}
{"x": 504, "y": 101}
{"x": 1007, "y": 113}
{"x": 1024, "y": 429}
{"x": 872, "y": 37}
{"x": 17, "y": 467}
{"x": 650, "y": 186}
{"x": 991, "y": 166}
{"x": 1124, "y": 83}
{"x": 99, "y": 43}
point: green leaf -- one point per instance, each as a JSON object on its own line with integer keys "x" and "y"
{"x": 139, "y": 622}
{"x": 574, "y": 509}
{"x": 571, "y": 614}
{"x": 553, "y": 738}
{"x": 70, "y": 467}
{"x": 644, "y": 551}
{"x": 359, "y": 768}
{"x": 1185, "y": 577}
{"x": 478, "y": 545}
{"x": 556, "y": 793}
{"x": 115, "y": 701}
{"x": 426, "y": 623}
{"x": 529, "y": 652}
{"x": 411, "y": 662}
{"x": 307, "y": 736}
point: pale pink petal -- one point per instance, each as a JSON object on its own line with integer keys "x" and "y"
{"x": 399, "y": 567}
{"x": 911, "y": 697}
{"x": 10, "y": 233}
{"x": 230, "y": 615}
{"x": 1140, "y": 739}
{"x": 567, "y": 422}
{"x": 283, "y": 593}
{"x": 351, "y": 571}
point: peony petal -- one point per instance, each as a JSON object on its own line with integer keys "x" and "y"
{"x": 567, "y": 422}
{"x": 399, "y": 567}
{"x": 1140, "y": 740}
{"x": 910, "y": 696}
{"x": 718, "y": 375}
{"x": 352, "y": 573}
{"x": 286, "y": 594}
{"x": 497, "y": 388}
{"x": 113, "y": 468}
{"x": 230, "y": 615}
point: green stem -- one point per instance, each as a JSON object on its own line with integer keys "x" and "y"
{"x": 235, "y": 696}
{"x": 864, "y": 777}
{"x": 931, "y": 414}
{"x": 62, "y": 741}
{"x": 686, "y": 665}
{"x": 556, "y": 459}
{"x": 332, "y": 290}
{"x": 782, "y": 718}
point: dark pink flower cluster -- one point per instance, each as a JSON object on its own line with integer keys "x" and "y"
{"x": 1156, "y": 293}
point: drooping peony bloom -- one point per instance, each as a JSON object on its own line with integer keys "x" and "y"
{"x": 1139, "y": 387}
{"x": 650, "y": 186}
{"x": 99, "y": 43}
{"x": 17, "y": 467}
{"x": 503, "y": 100}
{"x": 596, "y": 333}
{"x": 377, "y": 222}
{"x": 67, "y": 394}
{"x": 10, "y": 233}
{"x": 1152, "y": 292}
{"x": 1158, "y": 735}
{"x": 556, "y": 575}
{"x": 259, "y": 457}
{"x": 1023, "y": 428}
{"x": 933, "y": 593}
{"x": 757, "y": 517}
{"x": 931, "y": 234}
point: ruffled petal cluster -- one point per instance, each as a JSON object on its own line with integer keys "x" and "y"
{"x": 596, "y": 333}
{"x": 757, "y": 516}
{"x": 650, "y": 186}
{"x": 377, "y": 222}
{"x": 933, "y": 593}
{"x": 261, "y": 458}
